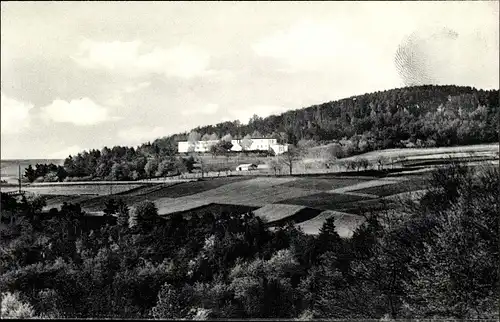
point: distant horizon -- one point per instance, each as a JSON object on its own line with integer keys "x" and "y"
{"x": 26, "y": 159}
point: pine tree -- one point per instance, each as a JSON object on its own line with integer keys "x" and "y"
{"x": 123, "y": 212}
{"x": 328, "y": 239}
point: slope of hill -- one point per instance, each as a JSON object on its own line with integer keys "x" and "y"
{"x": 422, "y": 116}
{"x": 446, "y": 114}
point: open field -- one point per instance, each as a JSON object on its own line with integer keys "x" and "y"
{"x": 442, "y": 152}
{"x": 255, "y": 192}
{"x": 413, "y": 195}
{"x": 214, "y": 208}
{"x": 364, "y": 206}
{"x": 345, "y": 223}
{"x": 193, "y": 187}
{"x": 278, "y": 199}
{"x": 84, "y": 189}
{"x": 55, "y": 201}
{"x": 324, "y": 200}
{"x": 324, "y": 183}
{"x": 275, "y": 212}
{"x": 395, "y": 188}
{"x": 305, "y": 200}
{"x": 363, "y": 185}
{"x": 245, "y": 191}
{"x": 260, "y": 192}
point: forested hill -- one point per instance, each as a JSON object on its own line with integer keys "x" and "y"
{"x": 412, "y": 116}
{"x": 447, "y": 115}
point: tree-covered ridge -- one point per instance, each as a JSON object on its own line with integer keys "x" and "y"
{"x": 448, "y": 115}
{"x": 405, "y": 117}
{"x": 436, "y": 258}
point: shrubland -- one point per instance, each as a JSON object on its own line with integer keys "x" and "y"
{"x": 431, "y": 258}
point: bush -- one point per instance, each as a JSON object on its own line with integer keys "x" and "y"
{"x": 145, "y": 215}
{"x": 14, "y": 308}
{"x": 51, "y": 177}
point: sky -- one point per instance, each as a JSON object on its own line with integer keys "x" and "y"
{"x": 83, "y": 75}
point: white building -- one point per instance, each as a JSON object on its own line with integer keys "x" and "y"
{"x": 246, "y": 167}
{"x": 257, "y": 145}
{"x": 199, "y": 146}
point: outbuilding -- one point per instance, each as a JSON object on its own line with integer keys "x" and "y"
{"x": 246, "y": 167}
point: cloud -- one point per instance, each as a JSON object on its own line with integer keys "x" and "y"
{"x": 183, "y": 61}
{"x": 340, "y": 48}
{"x": 115, "y": 99}
{"x": 308, "y": 45}
{"x": 209, "y": 109}
{"x": 15, "y": 115}
{"x": 140, "y": 134}
{"x": 135, "y": 88}
{"x": 64, "y": 153}
{"x": 79, "y": 112}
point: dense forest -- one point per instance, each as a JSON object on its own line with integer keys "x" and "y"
{"x": 438, "y": 115}
{"x": 437, "y": 258}
{"x": 420, "y": 116}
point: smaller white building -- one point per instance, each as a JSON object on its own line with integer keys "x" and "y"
{"x": 246, "y": 167}
{"x": 279, "y": 148}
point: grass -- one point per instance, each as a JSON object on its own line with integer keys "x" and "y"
{"x": 364, "y": 206}
{"x": 365, "y": 184}
{"x": 55, "y": 201}
{"x": 280, "y": 199}
{"x": 134, "y": 195}
{"x": 256, "y": 192}
{"x": 97, "y": 202}
{"x": 395, "y": 188}
{"x": 169, "y": 205}
{"x": 214, "y": 208}
{"x": 193, "y": 187}
{"x": 429, "y": 152}
{"x": 248, "y": 196}
{"x": 323, "y": 200}
{"x": 436, "y": 160}
{"x": 84, "y": 189}
{"x": 323, "y": 183}
{"x": 274, "y": 212}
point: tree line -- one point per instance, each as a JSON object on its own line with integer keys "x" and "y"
{"x": 116, "y": 164}
{"x": 436, "y": 258}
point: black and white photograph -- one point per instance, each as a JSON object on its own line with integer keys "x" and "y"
{"x": 250, "y": 160}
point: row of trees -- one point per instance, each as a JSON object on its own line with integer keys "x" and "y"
{"x": 436, "y": 258}
{"x": 119, "y": 163}
{"x": 45, "y": 173}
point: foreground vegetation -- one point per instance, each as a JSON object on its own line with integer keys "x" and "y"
{"x": 436, "y": 259}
